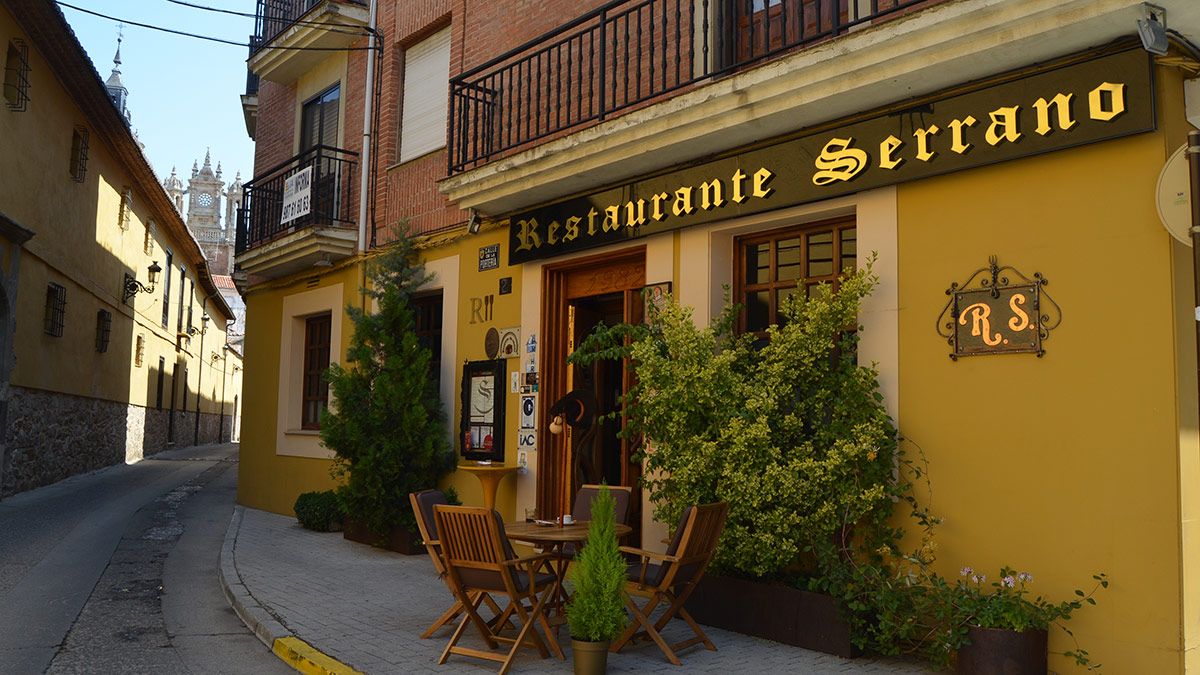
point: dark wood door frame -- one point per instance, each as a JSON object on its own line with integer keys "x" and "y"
{"x": 618, "y": 271}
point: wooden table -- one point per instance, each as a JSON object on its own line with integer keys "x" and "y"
{"x": 489, "y": 476}
{"x": 552, "y": 538}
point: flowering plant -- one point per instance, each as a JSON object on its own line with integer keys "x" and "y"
{"x": 1007, "y": 603}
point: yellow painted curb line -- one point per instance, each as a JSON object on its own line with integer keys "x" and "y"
{"x": 308, "y": 659}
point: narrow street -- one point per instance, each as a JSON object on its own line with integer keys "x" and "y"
{"x": 116, "y": 571}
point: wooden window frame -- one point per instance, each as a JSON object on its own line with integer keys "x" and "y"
{"x": 139, "y": 351}
{"x": 56, "y": 309}
{"x": 773, "y": 286}
{"x": 314, "y": 386}
{"x": 428, "y": 320}
{"x": 79, "y": 154}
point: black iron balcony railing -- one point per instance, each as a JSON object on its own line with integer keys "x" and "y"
{"x": 273, "y": 16}
{"x": 261, "y": 217}
{"x": 625, "y": 53}
{"x": 251, "y": 77}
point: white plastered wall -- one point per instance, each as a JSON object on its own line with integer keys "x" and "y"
{"x": 290, "y": 438}
{"x": 444, "y": 276}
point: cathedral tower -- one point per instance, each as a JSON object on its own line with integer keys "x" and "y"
{"x": 205, "y": 190}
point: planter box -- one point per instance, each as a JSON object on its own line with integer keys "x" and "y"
{"x": 772, "y": 611}
{"x": 994, "y": 651}
{"x": 399, "y": 539}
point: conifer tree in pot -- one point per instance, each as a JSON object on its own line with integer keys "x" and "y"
{"x": 386, "y": 423}
{"x": 596, "y": 612}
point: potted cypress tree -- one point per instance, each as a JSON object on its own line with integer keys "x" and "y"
{"x": 386, "y": 424}
{"x": 596, "y": 612}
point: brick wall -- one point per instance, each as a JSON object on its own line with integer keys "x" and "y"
{"x": 276, "y": 125}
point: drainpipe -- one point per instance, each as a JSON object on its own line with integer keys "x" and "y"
{"x": 1193, "y": 153}
{"x": 366, "y": 137}
{"x": 200, "y": 375}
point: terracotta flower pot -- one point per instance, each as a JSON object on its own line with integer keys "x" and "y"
{"x": 996, "y": 651}
{"x": 590, "y": 658}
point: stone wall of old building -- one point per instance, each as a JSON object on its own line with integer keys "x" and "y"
{"x": 51, "y": 436}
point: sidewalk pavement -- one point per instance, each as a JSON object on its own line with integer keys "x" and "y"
{"x": 363, "y": 607}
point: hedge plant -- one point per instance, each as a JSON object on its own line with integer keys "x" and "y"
{"x": 319, "y": 511}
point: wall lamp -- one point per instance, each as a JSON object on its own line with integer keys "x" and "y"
{"x": 1152, "y": 29}
{"x": 133, "y": 286}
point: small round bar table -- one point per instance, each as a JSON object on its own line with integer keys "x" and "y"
{"x": 489, "y": 476}
{"x": 552, "y": 538}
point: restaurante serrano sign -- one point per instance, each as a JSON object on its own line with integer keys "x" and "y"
{"x": 1065, "y": 106}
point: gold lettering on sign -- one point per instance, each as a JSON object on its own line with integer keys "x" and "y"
{"x": 957, "y": 144}
{"x": 887, "y": 151}
{"x": 612, "y": 218}
{"x": 761, "y": 178}
{"x": 1062, "y": 104}
{"x": 739, "y": 194}
{"x": 923, "y": 152}
{"x": 592, "y": 222}
{"x": 1020, "y": 320}
{"x": 839, "y": 162}
{"x": 1108, "y": 111}
{"x": 683, "y": 202}
{"x": 552, "y": 232}
{"x": 710, "y": 194}
{"x": 572, "y": 228}
{"x": 981, "y": 325}
{"x": 1003, "y": 126}
{"x": 528, "y": 238}
{"x": 635, "y": 213}
{"x": 656, "y": 201}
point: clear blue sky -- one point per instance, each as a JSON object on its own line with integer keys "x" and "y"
{"x": 183, "y": 92}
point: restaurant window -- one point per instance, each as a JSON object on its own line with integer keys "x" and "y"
{"x": 426, "y": 92}
{"x": 316, "y": 361}
{"x": 773, "y": 265}
{"x": 79, "y": 154}
{"x": 319, "y": 119}
{"x": 16, "y": 76}
{"x": 427, "y": 311}
{"x": 56, "y": 309}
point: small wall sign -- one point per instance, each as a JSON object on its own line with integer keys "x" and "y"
{"x": 993, "y": 314}
{"x": 489, "y": 257}
{"x": 528, "y": 407}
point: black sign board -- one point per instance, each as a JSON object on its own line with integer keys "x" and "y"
{"x": 489, "y": 257}
{"x": 1073, "y": 103}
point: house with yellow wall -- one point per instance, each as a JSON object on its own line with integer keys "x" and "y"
{"x": 112, "y": 333}
{"x": 1001, "y": 162}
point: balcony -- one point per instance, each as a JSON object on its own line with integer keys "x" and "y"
{"x": 250, "y": 98}
{"x": 292, "y": 36}
{"x": 535, "y": 125}
{"x": 268, "y": 247}
{"x": 628, "y": 53}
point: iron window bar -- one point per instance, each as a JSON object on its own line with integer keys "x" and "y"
{"x": 103, "y": 330}
{"x": 79, "y": 154}
{"x": 626, "y": 53}
{"x": 16, "y": 76}
{"x": 272, "y": 17}
{"x": 56, "y": 309}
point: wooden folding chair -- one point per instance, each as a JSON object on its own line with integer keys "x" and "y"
{"x": 671, "y": 581}
{"x": 582, "y": 510}
{"x": 422, "y": 506}
{"x": 479, "y": 560}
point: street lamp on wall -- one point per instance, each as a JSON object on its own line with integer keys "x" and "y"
{"x": 133, "y": 286}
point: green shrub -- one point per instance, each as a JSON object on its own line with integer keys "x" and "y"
{"x": 387, "y": 426}
{"x": 596, "y": 611}
{"x": 318, "y": 511}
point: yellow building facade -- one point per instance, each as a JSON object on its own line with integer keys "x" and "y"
{"x": 101, "y": 363}
{"x": 1073, "y": 453}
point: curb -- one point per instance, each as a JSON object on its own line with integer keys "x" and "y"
{"x": 290, "y": 649}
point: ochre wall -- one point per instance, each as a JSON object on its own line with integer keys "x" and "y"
{"x": 1065, "y": 465}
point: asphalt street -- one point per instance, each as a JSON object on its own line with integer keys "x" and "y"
{"x": 116, "y": 572}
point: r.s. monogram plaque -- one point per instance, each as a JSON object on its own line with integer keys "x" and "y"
{"x": 992, "y": 313}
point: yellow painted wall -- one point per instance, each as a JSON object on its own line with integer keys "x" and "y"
{"x": 79, "y": 243}
{"x": 1064, "y": 465}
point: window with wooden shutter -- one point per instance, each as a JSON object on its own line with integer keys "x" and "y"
{"x": 426, "y": 91}
{"x": 319, "y": 119}
{"x": 316, "y": 362}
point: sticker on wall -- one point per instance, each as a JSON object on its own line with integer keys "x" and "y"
{"x": 489, "y": 257}
{"x": 654, "y": 298}
{"x": 491, "y": 343}
{"x": 528, "y": 407}
{"x": 505, "y": 285}
{"x": 527, "y": 440}
{"x": 510, "y": 342}
{"x": 993, "y": 314}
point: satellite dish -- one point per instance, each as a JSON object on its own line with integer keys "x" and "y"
{"x": 1173, "y": 196}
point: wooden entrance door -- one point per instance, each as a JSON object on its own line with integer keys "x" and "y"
{"x": 576, "y": 297}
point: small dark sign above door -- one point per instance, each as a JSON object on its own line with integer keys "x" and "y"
{"x": 994, "y": 314}
{"x": 489, "y": 257}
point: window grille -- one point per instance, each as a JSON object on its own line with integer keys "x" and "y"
{"x": 103, "y": 330}
{"x": 162, "y": 374}
{"x": 16, "y": 76}
{"x": 79, "y": 154}
{"x": 148, "y": 243}
{"x": 139, "y": 351}
{"x": 184, "y": 386}
{"x": 166, "y": 308}
{"x": 316, "y": 361}
{"x": 56, "y": 309}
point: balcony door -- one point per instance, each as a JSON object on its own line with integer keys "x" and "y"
{"x": 764, "y": 26}
{"x": 318, "y": 131}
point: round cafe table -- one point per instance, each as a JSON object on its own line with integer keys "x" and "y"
{"x": 489, "y": 476}
{"x": 552, "y": 538}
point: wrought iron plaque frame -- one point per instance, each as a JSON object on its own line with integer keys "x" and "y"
{"x": 991, "y": 313}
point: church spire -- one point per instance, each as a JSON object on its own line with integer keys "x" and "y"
{"x": 116, "y": 88}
